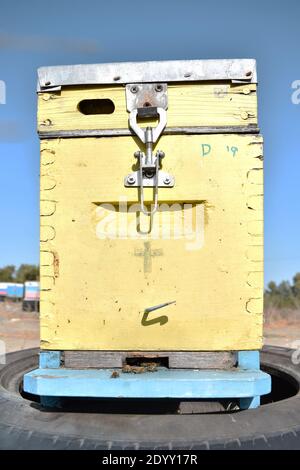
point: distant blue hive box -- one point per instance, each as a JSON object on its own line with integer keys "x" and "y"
{"x": 32, "y": 291}
{"x": 3, "y": 289}
{"x": 15, "y": 290}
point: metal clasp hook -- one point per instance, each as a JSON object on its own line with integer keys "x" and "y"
{"x": 149, "y": 171}
{"x": 148, "y": 112}
{"x": 149, "y": 174}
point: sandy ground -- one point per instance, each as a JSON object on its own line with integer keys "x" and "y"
{"x": 20, "y": 330}
{"x": 283, "y": 334}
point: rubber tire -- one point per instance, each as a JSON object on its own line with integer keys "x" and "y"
{"x": 26, "y": 425}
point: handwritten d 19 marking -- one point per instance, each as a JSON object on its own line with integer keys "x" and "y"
{"x": 206, "y": 150}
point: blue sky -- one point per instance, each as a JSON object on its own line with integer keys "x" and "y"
{"x": 33, "y": 33}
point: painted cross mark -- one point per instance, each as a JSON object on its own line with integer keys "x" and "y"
{"x": 148, "y": 254}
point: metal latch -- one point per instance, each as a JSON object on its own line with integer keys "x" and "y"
{"x": 148, "y": 101}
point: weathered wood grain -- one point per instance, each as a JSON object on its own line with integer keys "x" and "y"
{"x": 176, "y": 359}
{"x": 193, "y": 104}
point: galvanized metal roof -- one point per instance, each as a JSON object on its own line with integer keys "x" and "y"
{"x": 236, "y": 70}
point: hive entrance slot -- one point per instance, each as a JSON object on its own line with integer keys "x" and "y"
{"x": 142, "y": 361}
{"x": 96, "y": 106}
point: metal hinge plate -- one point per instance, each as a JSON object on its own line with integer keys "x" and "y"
{"x": 146, "y": 95}
{"x": 165, "y": 180}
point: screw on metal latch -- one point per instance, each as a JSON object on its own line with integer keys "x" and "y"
{"x": 130, "y": 179}
{"x": 160, "y": 154}
{"x": 149, "y": 174}
{"x": 167, "y": 180}
{"x": 134, "y": 89}
{"x": 137, "y": 154}
{"x": 159, "y": 88}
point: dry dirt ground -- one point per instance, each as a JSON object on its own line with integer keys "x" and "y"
{"x": 20, "y": 330}
{"x": 282, "y": 327}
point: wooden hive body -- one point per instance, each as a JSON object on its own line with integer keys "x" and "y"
{"x": 101, "y": 269}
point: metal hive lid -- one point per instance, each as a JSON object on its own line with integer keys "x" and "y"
{"x": 236, "y": 70}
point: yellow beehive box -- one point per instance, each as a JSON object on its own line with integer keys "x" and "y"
{"x": 188, "y": 278}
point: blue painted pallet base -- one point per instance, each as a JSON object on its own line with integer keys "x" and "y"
{"x": 245, "y": 382}
{"x": 163, "y": 383}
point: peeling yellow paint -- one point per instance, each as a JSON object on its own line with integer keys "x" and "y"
{"x": 99, "y": 294}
